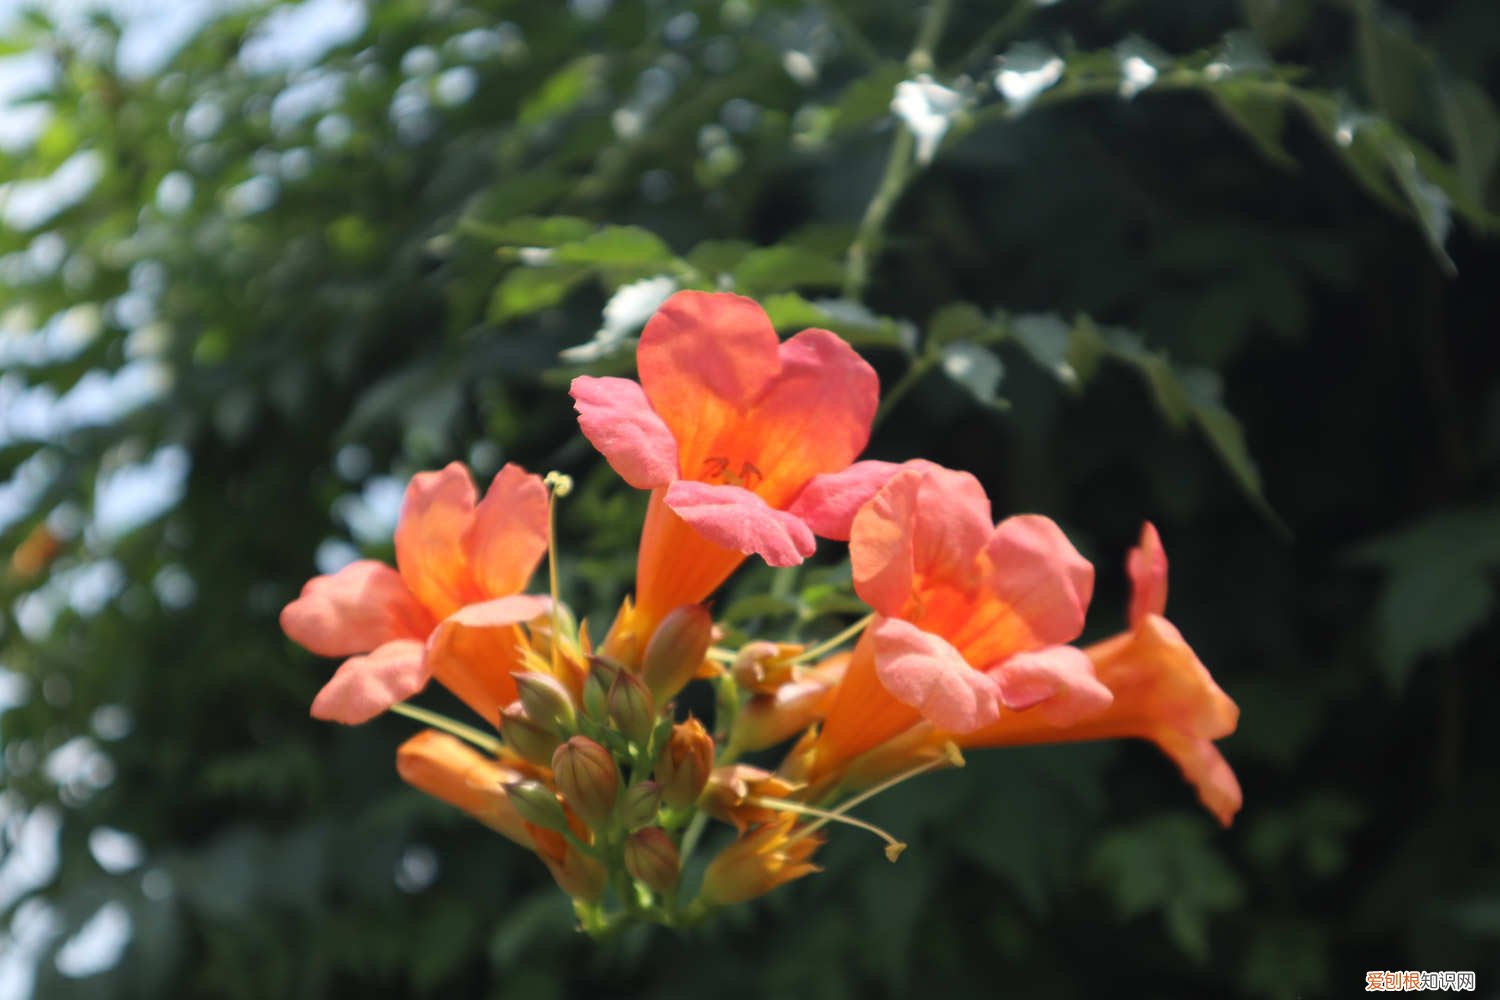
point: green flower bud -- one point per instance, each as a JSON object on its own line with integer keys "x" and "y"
{"x": 640, "y": 805}
{"x": 651, "y": 857}
{"x": 547, "y": 701}
{"x": 676, "y": 650}
{"x": 521, "y": 733}
{"x": 586, "y": 775}
{"x": 538, "y": 805}
{"x": 631, "y": 708}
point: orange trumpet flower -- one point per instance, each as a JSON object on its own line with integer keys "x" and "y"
{"x": 452, "y": 608}
{"x": 449, "y": 769}
{"x": 745, "y": 443}
{"x": 970, "y": 618}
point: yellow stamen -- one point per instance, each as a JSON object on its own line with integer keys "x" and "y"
{"x": 893, "y": 846}
{"x": 950, "y": 757}
{"x": 558, "y": 486}
{"x": 812, "y": 653}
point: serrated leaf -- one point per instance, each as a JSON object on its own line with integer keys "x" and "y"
{"x": 1473, "y": 127}
{"x": 1261, "y": 116}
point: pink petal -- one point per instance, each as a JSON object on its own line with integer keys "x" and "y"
{"x": 435, "y": 517}
{"x": 925, "y": 672}
{"x": 705, "y": 351}
{"x": 926, "y": 521}
{"x": 828, "y": 503}
{"x": 365, "y": 686}
{"x": 508, "y": 534}
{"x": 813, "y": 418}
{"x": 1057, "y": 682}
{"x": 354, "y": 610}
{"x": 618, "y": 420}
{"x": 1032, "y": 567}
{"x": 1147, "y": 567}
{"x": 737, "y": 519}
{"x": 513, "y": 610}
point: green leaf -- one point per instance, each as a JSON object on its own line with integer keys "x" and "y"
{"x": 617, "y": 245}
{"x": 976, "y": 369}
{"x": 562, "y": 91}
{"x": 781, "y": 268}
{"x": 712, "y": 258}
{"x": 1474, "y": 130}
{"x": 1438, "y": 587}
{"x": 526, "y": 290}
{"x": 868, "y": 98}
{"x": 957, "y": 321}
{"x": 1048, "y": 341}
{"x": 1261, "y": 116}
{"x": 532, "y": 230}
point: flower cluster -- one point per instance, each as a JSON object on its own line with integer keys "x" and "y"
{"x": 749, "y": 446}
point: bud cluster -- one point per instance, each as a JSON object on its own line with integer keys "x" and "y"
{"x": 613, "y": 780}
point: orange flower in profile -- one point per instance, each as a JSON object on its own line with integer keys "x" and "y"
{"x": 970, "y": 659}
{"x": 449, "y": 769}
{"x": 745, "y": 443}
{"x": 1162, "y": 693}
{"x": 452, "y": 608}
{"x": 970, "y": 618}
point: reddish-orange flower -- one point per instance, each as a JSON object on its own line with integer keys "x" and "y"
{"x": 1162, "y": 693}
{"x": 745, "y": 443}
{"x": 978, "y": 619}
{"x": 451, "y": 609}
{"x": 970, "y": 618}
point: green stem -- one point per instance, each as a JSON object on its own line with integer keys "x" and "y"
{"x": 918, "y": 370}
{"x": 899, "y": 166}
{"x": 482, "y": 740}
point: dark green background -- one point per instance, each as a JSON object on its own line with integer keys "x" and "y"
{"x": 1208, "y": 255}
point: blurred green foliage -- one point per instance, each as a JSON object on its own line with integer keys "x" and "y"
{"x": 1227, "y": 266}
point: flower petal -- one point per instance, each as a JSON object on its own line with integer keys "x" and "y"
{"x": 703, "y": 359}
{"x": 616, "y": 417}
{"x": 474, "y": 651}
{"x": 927, "y": 521}
{"x": 365, "y": 686}
{"x": 1031, "y": 567}
{"x": 1147, "y": 567}
{"x": 925, "y": 672}
{"x": 435, "y": 516}
{"x": 354, "y": 610}
{"x": 829, "y": 502}
{"x": 737, "y": 519}
{"x": 813, "y": 418}
{"x": 1058, "y": 682}
{"x": 508, "y": 534}
{"x": 1207, "y": 771}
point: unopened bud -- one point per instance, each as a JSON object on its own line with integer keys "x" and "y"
{"x": 761, "y": 667}
{"x": 684, "y": 764}
{"x": 530, "y": 741}
{"x": 586, "y": 775}
{"x": 631, "y": 708}
{"x": 677, "y": 649}
{"x": 546, "y": 699}
{"x": 651, "y": 857}
{"x": 596, "y": 687}
{"x": 639, "y": 806}
{"x": 538, "y": 805}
